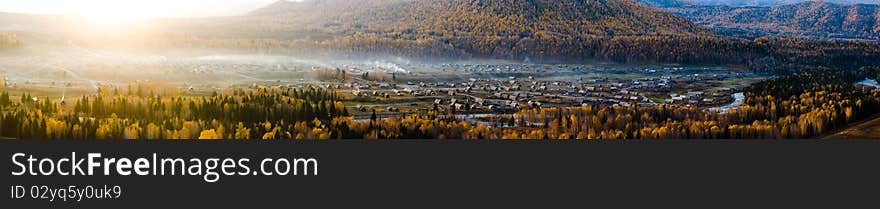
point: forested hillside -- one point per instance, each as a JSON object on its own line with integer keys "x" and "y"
{"x": 502, "y": 18}
{"x": 568, "y": 30}
{"x": 818, "y": 19}
{"x": 621, "y": 31}
{"x": 767, "y": 3}
{"x": 615, "y": 30}
{"x": 742, "y": 3}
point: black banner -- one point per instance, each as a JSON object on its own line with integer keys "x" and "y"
{"x": 465, "y": 174}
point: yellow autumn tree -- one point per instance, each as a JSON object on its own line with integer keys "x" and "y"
{"x": 209, "y": 134}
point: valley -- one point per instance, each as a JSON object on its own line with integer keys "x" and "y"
{"x": 393, "y": 86}
{"x": 442, "y": 69}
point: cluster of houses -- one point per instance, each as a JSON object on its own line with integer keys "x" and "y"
{"x": 699, "y": 97}
{"x": 510, "y": 87}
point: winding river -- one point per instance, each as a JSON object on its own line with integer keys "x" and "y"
{"x": 869, "y": 82}
{"x": 738, "y": 100}
{"x": 740, "y": 97}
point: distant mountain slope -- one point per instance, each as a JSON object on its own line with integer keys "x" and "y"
{"x": 803, "y": 19}
{"x": 768, "y": 3}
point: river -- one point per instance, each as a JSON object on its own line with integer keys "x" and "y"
{"x": 738, "y": 100}
{"x": 869, "y": 82}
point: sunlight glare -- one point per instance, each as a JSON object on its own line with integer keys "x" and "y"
{"x": 114, "y": 13}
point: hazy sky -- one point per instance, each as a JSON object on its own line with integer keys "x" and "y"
{"x": 141, "y": 8}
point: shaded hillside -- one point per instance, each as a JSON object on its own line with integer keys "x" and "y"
{"x": 804, "y": 19}
{"x": 864, "y": 130}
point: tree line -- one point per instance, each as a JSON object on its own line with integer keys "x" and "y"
{"x": 803, "y": 105}
{"x": 139, "y": 114}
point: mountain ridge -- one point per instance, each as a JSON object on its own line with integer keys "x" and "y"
{"x": 597, "y": 16}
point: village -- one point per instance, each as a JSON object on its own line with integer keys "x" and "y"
{"x": 395, "y": 88}
{"x": 506, "y": 88}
